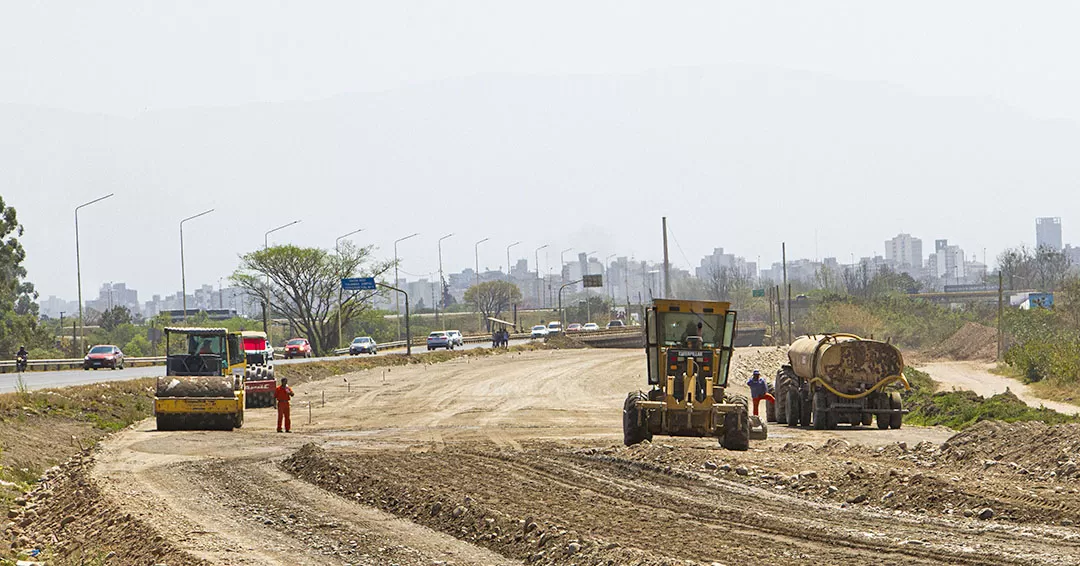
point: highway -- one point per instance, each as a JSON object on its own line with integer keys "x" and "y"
{"x": 64, "y": 378}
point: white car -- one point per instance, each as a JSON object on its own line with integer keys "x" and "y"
{"x": 554, "y": 327}
{"x": 590, "y": 327}
{"x": 459, "y": 340}
{"x": 539, "y": 331}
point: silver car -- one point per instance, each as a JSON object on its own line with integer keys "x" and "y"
{"x": 456, "y": 336}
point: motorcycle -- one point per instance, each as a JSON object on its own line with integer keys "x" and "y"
{"x": 20, "y": 363}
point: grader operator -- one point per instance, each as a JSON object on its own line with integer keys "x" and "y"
{"x": 203, "y": 387}
{"x": 688, "y": 345}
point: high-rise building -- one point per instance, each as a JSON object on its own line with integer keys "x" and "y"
{"x": 904, "y": 251}
{"x": 949, "y": 261}
{"x": 1048, "y": 233}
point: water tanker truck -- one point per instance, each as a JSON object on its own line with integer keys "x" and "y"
{"x": 840, "y": 378}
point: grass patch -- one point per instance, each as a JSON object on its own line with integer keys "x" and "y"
{"x": 961, "y": 409}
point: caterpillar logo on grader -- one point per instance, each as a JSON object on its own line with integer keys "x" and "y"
{"x": 203, "y": 387}
{"x": 688, "y": 345}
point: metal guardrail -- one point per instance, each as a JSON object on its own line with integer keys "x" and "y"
{"x": 75, "y": 363}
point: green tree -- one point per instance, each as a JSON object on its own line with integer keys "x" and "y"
{"x": 303, "y": 285}
{"x": 114, "y": 317}
{"x": 492, "y": 297}
{"x": 19, "y": 324}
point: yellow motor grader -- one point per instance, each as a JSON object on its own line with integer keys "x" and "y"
{"x": 688, "y": 345}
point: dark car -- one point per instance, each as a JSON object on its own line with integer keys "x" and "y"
{"x": 104, "y": 356}
{"x": 615, "y": 324}
{"x": 297, "y": 348}
{"x": 363, "y": 345}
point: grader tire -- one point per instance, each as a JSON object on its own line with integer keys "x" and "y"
{"x": 897, "y": 403}
{"x": 737, "y": 426}
{"x": 633, "y": 431}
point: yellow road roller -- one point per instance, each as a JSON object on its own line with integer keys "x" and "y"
{"x": 203, "y": 387}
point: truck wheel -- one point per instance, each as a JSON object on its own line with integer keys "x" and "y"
{"x": 770, "y": 408}
{"x": 737, "y": 426}
{"x": 793, "y": 408}
{"x": 867, "y": 419}
{"x": 806, "y": 407}
{"x": 821, "y": 419}
{"x": 896, "y": 403}
{"x": 781, "y": 399}
{"x": 633, "y": 431}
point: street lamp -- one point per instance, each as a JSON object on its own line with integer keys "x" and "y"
{"x": 337, "y": 242}
{"x": 266, "y": 298}
{"x": 78, "y": 261}
{"x": 562, "y": 263}
{"x": 442, "y": 290}
{"x": 536, "y": 253}
{"x": 397, "y": 298}
{"x": 508, "y": 259}
{"x": 607, "y": 278}
{"x": 183, "y": 275}
{"x": 476, "y": 253}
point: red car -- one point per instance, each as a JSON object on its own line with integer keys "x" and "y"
{"x": 297, "y": 348}
{"x": 104, "y": 356}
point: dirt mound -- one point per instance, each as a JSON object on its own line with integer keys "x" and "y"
{"x": 67, "y": 519}
{"x": 1033, "y": 449}
{"x": 972, "y": 342}
{"x": 767, "y": 360}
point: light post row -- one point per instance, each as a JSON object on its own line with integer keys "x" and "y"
{"x": 397, "y": 297}
{"x": 78, "y": 264}
{"x": 183, "y": 274}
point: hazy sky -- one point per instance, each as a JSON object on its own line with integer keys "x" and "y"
{"x": 146, "y": 64}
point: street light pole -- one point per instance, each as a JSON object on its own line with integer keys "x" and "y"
{"x": 476, "y": 255}
{"x": 183, "y": 275}
{"x": 442, "y": 289}
{"x": 562, "y": 264}
{"x": 266, "y": 298}
{"x": 536, "y": 258}
{"x": 508, "y": 259}
{"x": 397, "y": 298}
{"x": 607, "y": 278}
{"x": 78, "y": 264}
{"x": 337, "y": 243}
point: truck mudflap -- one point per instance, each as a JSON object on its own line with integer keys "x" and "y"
{"x": 205, "y": 405}
{"x": 260, "y": 386}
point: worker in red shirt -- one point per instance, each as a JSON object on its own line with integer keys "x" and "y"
{"x": 283, "y": 394}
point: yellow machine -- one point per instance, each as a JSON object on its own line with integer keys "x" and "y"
{"x": 203, "y": 387}
{"x": 689, "y": 347}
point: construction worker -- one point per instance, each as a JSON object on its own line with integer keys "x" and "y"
{"x": 283, "y": 394}
{"x": 759, "y": 390}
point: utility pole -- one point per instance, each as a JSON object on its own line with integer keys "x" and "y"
{"x": 78, "y": 264}
{"x": 442, "y": 289}
{"x": 397, "y": 283}
{"x": 337, "y": 248}
{"x": 667, "y": 266}
{"x": 1001, "y": 311}
{"x": 183, "y": 276}
{"x": 539, "y": 284}
{"x": 786, "y": 331}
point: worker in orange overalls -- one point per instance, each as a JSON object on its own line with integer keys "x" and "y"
{"x": 282, "y": 394}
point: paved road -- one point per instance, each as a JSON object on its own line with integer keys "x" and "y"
{"x": 46, "y": 379}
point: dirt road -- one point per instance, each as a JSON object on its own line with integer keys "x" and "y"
{"x": 976, "y": 376}
{"x": 518, "y": 458}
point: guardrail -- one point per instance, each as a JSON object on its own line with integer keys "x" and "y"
{"x": 75, "y": 363}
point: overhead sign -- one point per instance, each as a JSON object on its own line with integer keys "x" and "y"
{"x": 592, "y": 280}
{"x": 758, "y": 293}
{"x": 358, "y": 284}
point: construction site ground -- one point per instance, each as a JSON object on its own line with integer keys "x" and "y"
{"x": 518, "y": 458}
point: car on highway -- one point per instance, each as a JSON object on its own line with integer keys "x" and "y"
{"x": 573, "y": 327}
{"x": 440, "y": 339}
{"x": 298, "y": 348}
{"x": 539, "y": 331}
{"x": 554, "y": 327}
{"x": 590, "y": 327}
{"x": 363, "y": 345}
{"x": 459, "y": 340}
{"x": 615, "y": 324}
{"x": 104, "y": 356}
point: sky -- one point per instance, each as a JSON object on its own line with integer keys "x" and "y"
{"x": 829, "y": 125}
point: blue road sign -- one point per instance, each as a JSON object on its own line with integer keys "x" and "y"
{"x": 358, "y": 284}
